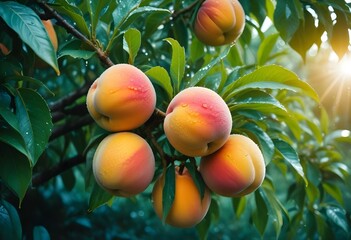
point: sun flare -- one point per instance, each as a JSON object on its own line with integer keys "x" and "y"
{"x": 343, "y": 69}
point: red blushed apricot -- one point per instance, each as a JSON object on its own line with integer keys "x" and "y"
{"x": 124, "y": 164}
{"x": 188, "y": 209}
{"x": 198, "y": 121}
{"x": 219, "y": 22}
{"x": 237, "y": 169}
{"x": 122, "y": 98}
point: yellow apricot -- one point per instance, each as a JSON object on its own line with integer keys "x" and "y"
{"x": 124, "y": 164}
{"x": 219, "y": 22}
{"x": 198, "y": 121}
{"x": 121, "y": 99}
{"x": 188, "y": 209}
{"x": 236, "y": 169}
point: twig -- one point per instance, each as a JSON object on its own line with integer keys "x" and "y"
{"x": 47, "y": 174}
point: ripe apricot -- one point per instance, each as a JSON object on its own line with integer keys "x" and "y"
{"x": 219, "y": 22}
{"x": 124, "y": 164}
{"x": 236, "y": 169}
{"x": 188, "y": 209}
{"x": 122, "y": 98}
{"x": 198, "y": 121}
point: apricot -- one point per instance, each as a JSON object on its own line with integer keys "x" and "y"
{"x": 237, "y": 169}
{"x": 122, "y": 98}
{"x": 188, "y": 209}
{"x": 198, "y": 121}
{"x": 124, "y": 164}
{"x": 219, "y": 22}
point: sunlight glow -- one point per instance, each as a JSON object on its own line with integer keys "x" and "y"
{"x": 344, "y": 68}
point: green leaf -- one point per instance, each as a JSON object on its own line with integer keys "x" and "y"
{"x": 324, "y": 231}
{"x": 131, "y": 43}
{"x": 260, "y": 215}
{"x": 10, "y": 223}
{"x": 168, "y": 192}
{"x": 266, "y": 48}
{"x": 239, "y": 205}
{"x": 334, "y": 191}
{"x": 290, "y": 155}
{"x": 160, "y": 76}
{"x": 98, "y": 197}
{"x": 340, "y": 39}
{"x": 97, "y": 9}
{"x": 76, "y": 49}
{"x": 15, "y": 170}
{"x": 196, "y": 176}
{"x": 74, "y": 13}
{"x": 337, "y": 216}
{"x": 27, "y": 24}
{"x": 122, "y": 11}
{"x": 286, "y": 18}
{"x": 34, "y": 121}
{"x": 40, "y": 233}
{"x": 265, "y": 142}
{"x": 270, "y": 77}
{"x": 177, "y": 64}
{"x": 203, "y": 227}
{"x": 204, "y": 70}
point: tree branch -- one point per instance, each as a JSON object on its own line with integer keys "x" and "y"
{"x": 72, "y": 30}
{"x": 47, "y": 174}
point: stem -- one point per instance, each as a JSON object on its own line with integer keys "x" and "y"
{"x": 46, "y": 175}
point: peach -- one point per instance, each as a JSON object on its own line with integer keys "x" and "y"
{"x": 124, "y": 164}
{"x": 237, "y": 169}
{"x": 188, "y": 209}
{"x": 121, "y": 99}
{"x": 219, "y": 22}
{"x": 198, "y": 121}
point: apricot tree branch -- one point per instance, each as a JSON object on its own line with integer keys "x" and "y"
{"x": 47, "y": 174}
{"x": 71, "y": 29}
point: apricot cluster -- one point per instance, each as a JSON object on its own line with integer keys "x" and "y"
{"x": 219, "y": 22}
{"x": 120, "y": 100}
{"x": 198, "y": 123}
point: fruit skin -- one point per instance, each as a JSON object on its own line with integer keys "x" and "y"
{"x": 4, "y": 50}
{"x": 124, "y": 164}
{"x": 219, "y": 22}
{"x": 198, "y": 121}
{"x": 188, "y": 209}
{"x": 237, "y": 169}
{"x": 121, "y": 99}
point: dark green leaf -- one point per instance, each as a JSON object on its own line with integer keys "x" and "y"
{"x": 177, "y": 64}
{"x": 97, "y": 9}
{"x": 290, "y": 155}
{"x": 197, "y": 178}
{"x": 131, "y": 43}
{"x": 239, "y": 205}
{"x": 334, "y": 191}
{"x": 40, "y": 233}
{"x": 168, "y": 192}
{"x": 98, "y": 197}
{"x": 204, "y": 70}
{"x": 122, "y": 11}
{"x": 75, "y": 49}
{"x": 260, "y": 216}
{"x": 15, "y": 170}
{"x": 338, "y": 216}
{"x": 11, "y": 227}
{"x": 160, "y": 76}
{"x": 34, "y": 121}
{"x": 27, "y": 24}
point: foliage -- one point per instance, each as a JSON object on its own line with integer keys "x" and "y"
{"x": 46, "y": 133}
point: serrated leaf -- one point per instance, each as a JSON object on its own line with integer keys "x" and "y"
{"x": 40, "y": 233}
{"x": 289, "y": 154}
{"x": 270, "y": 77}
{"x": 204, "y": 70}
{"x": 15, "y": 170}
{"x": 177, "y": 64}
{"x": 34, "y": 121}
{"x": 98, "y": 197}
{"x": 168, "y": 192}
{"x": 27, "y": 24}
{"x": 131, "y": 43}
{"x": 160, "y": 76}
{"x": 10, "y": 223}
